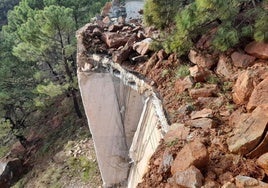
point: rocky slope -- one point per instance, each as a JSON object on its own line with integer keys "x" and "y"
{"x": 217, "y": 104}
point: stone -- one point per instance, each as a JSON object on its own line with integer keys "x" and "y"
{"x": 208, "y": 91}
{"x": 260, "y": 149}
{"x": 205, "y": 61}
{"x": 143, "y": 47}
{"x": 106, "y": 20}
{"x": 194, "y": 153}
{"x": 259, "y": 95}
{"x": 204, "y": 123}
{"x": 96, "y": 32}
{"x": 161, "y": 54}
{"x": 140, "y": 58}
{"x": 115, "y": 27}
{"x": 258, "y": 49}
{"x": 243, "y": 87}
{"x": 249, "y": 131}
{"x": 191, "y": 177}
{"x": 124, "y": 53}
{"x": 224, "y": 68}
{"x": 150, "y": 64}
{"x": 248, "y": 182}
{"x": 205, "y": 113}
{"x": 183, "y": 84}
{"x": 176, "y": 131}
{"x": 199, "y": 73}
{"x": 166, "y": 161}
{"x": 242, "y": 60}
{"x": 114, "y": 40}
{"x": 211, "y": 184}
{"x": 262, "y": 162}
{"x": 229, "y": 185}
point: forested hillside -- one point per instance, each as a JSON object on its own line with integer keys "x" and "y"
{"x": 37, "y": 55}
{"x": 38, "y": 75}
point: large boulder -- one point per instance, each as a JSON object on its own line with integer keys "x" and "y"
{"x": 114, "y": 40}
{"x": 202, "y": 60}
{"x": 143, "y": 47}
{"x": 259, "y": 95}
{"x": 191, "y": 177}
{"x": 258, "y": 49}
{"x": 208, "y": 91}
{"x": 263, "y": 162}
{"x": 243, "y": 87}
{"x": 194, "y": 153}
{"x": 249, "y": 131}
{"x": 242, "y": 60}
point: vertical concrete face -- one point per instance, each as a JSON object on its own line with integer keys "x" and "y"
{"x": 113, "y": 112}
{"x": 125, "y": 117}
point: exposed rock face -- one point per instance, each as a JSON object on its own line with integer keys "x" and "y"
{"x": 249, "y": 131}
{"x": 191, "y": 178}
{"x": 259, "y": 95}
{"x": 242, "y": 60}
{"x": 258, "y": 49}
{"x": 194, "y": 153}
{"x": 243, "y": 87}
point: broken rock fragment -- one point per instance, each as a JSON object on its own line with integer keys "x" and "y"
{"x": 243, "y": 88}
{"x": 194, "y": 153}
{"x": 191, "y": 178}
{"x": 207, "y": 91}
{"x": 248, "y": 182}
{"x": 263, "y": 162}
{"x": 259, "y": 95}
{"x": 142, "y": 47}
{"x": 249, "y": 131}
{"x": 258, "y": 49}
{"x": 242, "y": 60}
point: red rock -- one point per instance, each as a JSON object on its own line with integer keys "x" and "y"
{"x": 259, "y": 95}
{"x": 258, "y": 49}
{"x": 248, "y": 182}
{"x": 207, "y": 91}
{"x": 150, "y": 63}
{"x": 243, "y": 87}
{"x": 205, "y": 113}
{"x": 242, "y": 60}
{"x": 161, "y": 54}
{"x": 142, "y": 47}
{"x": 183, "y": 84}
{"x": 229, "y": 185}
{"x": 260, "y": 149}
{"x": 224, "y": 68}
{"x": 114, "y": 40}
{"x": 124, "y": 53}
{"x": 106, "y": 20}
{"x": 194, "y": 153}
{"x": 176, "y": 131}
{"x": 205, "y": 61}
{"x": 249, "y": 131}
{"x": 114, "y": 27}
{"x": 191, "y": 177}
{"x": 198, "y": 73}
{"x": 204, "y": 123}
{"x": 263, "y": 162}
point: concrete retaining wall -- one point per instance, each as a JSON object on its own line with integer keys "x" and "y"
{"x": 125, "y": 117}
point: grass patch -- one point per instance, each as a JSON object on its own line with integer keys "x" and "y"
{"x": 182, "y": 71}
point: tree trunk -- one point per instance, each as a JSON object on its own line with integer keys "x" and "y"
{"x": 76, "y": 104}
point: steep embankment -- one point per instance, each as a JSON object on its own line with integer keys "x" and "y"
{"x": 217, "y": 104}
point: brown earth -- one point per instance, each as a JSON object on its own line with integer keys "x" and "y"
{"x": 208, "y": 93}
